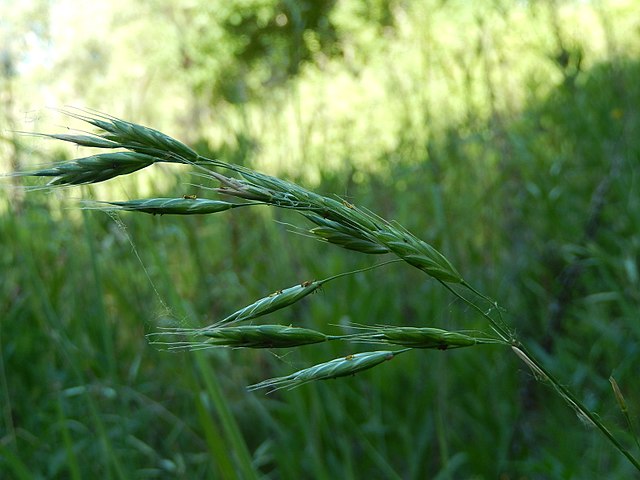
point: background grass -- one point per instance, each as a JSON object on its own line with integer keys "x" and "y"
{"x": 506, "y": 134}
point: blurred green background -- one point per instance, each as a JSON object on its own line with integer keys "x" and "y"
{"x": 507, "y": 133}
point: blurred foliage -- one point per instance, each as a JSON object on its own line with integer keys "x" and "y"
{"x": 506, "y": 133}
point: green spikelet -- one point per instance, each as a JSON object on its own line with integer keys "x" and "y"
{"x": 419, "y": 337}
{"x": 94, "y": 169}
{"x": 176, "y": 206}
{"x": 338, "y": 367}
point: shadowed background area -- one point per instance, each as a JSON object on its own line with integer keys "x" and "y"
{"x": 507, "y": 134}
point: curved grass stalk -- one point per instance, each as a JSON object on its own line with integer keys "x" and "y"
{"x": 542, "y": 374}
{"x": 583, "y": 412}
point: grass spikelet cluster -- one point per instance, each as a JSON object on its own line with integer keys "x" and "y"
{"x": 341, "y": 223}
{"x": 335, "y": 221}
{"x": 279, "y": 336}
